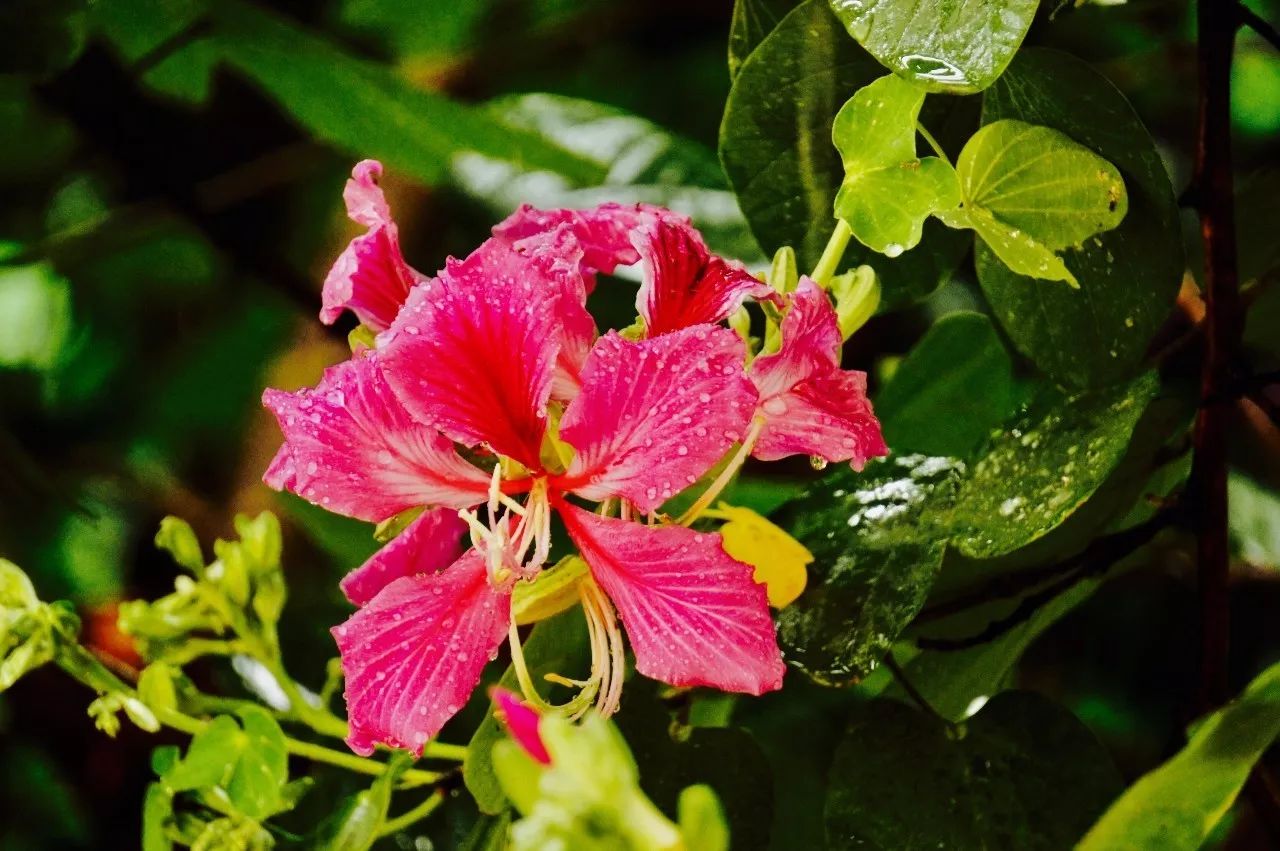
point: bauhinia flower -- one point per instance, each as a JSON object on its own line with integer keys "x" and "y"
{"x": 491, "y": 404}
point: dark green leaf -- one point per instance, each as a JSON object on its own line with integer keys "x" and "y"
{"x": 1176, "y": 806}
{"x": 752, "y": 21}
{"x": 489, "y": 833}
{"x": 1044, "y": 465}
{"x": 955, "y": 47}
{"x": 41, "y": 36}
{"x": 1022, "y": 773}
{"x": 555, "y": 646}
{"x": 1129, "y": 276}
{"x": 950, "y": 391}
{"x": 877, "y": 538}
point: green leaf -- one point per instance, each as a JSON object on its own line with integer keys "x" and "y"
{"x": 701, "y": 820}
{"x": 1129, "y": 276}
{"x": 52, "y": 35}
{"x": 775, "y": 136}
{"x": 1177, "y": 805}
{"x": 775, "y": 146}
{"x": 35, "y": 316}
{"x": 249, "y": 763}
{"x": 752, "y": 21}
{"x": 1023, "y": 773}
{"x": 956, "y": 47}
{"x": 638, "y": 161}
{"x": 1031, "y": 192}
{"x": 1255, "y": 520}
{"x": 558, "y": 645}
{"x": 877, "y": 538}
{"x": 178, "y": 539}
{"x": 1044, "y": 465}
{"x": 361, "y": 107}
{"x": 888, "y": 191}
{"x": 489, "y": 833}
{"x": 157, "y": 809}
{"x": 950, "y": 391}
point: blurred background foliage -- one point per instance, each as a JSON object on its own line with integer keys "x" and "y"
{"x": 171, "y": 173}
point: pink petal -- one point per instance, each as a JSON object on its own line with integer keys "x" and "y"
{"x": 811, "y": 406}
{"x": 695, "y": 616}
{"x": 684, "y": 284}
{"x": 413, "y": 655}
{"x": 473, "y": 351}
{"x": 370, "y": 278}
{"x": 604, "y": 232}
{"x": 654, "y": 415}
{"x": 522, "y": 723}
{"x": 352, "y": 448}
{"x": 432, "y": 542}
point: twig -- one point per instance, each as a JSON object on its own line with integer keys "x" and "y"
{"x": 912, "y": 692}
{"x": 1207, "y": 488}
{"x": 1251, "y": 19}
{"x": 1093, "y": 560}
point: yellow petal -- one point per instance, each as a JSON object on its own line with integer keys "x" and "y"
{"x": 779, "y": 559}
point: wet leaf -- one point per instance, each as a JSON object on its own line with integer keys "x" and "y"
{"x": 1041, "y": 467}
{"x": 945, "y": 47}
{"x": 1031, "y": 192}
{"x": 877, "y": 538}
{"x": 1022, "y": 773}
{"x": 1128, "y": 276}
{"x": 752, "y": 21}
{"x": 888, "y": 191}
{"x": 1177, "y": 805}
{"x": 950, "y": 391}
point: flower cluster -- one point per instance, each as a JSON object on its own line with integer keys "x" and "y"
{"x": 491, "y": 401}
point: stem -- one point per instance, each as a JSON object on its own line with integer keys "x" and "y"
{"x": 726, "y": 475}
{"x": 417, "y": 814}
{"x": 933, "y": 143}
{"x": 317, "y": 753}
{"x": 1255, "y": 22}
{"x": 832, "y": 254}
{"x": 912, "y": 692}
{"x": 1216, "y": 23}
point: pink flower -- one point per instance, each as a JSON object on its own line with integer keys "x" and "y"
{"x": 497, "y": 359}
{"x": 521, "y": 721}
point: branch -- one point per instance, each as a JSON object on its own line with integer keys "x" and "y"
{"x": 1207, "y": 488}
{"x": 1251, "y": 19}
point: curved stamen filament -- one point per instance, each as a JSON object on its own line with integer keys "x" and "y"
{"x": 726, "y": 475}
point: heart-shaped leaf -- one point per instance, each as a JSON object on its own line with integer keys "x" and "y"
{"x": 957, "y": 47}
{"x": 888, "y": 191}
{"x": 1030, "y": 192}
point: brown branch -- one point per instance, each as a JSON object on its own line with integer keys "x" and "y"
{"x": 1216, "y": 23}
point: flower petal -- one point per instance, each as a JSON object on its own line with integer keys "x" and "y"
{"x": 811, "y": 406}
{"x": 370, "y": 278}
{"x": 352, "y": 448}
{"x": 683, "y": 283}
{"x": 695, "y": 616}
{"x": 432, "y": 542}
{"x": 473, "y": 351}
{"x": 655, "y": 415}
{"x": 414, "y": 654}
{"x": 521, "y": 721}
{"x": 604, "y": 232}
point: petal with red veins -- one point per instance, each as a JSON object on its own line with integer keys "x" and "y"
{"x": 683, "y": 283}
{"x": 370, "y": 278}
{"x": 353, "y": 449}
{"x": 432, "y": 542}
{"x": 694, "y": 616}
{"x": 604, "y": 232}
{"x": 810, "y": 405}
{"x": 522, "y": 722}
{"x": 654, "y": 415}
{"x": 413, "y": 655}
{"x": 474, "y": 350}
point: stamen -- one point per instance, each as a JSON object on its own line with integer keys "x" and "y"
{"x": 726, "y": 475}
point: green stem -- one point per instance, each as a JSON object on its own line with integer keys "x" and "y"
{"x": 933, "y": 143}
{"x": 832, "y": 254}
{"x": 413, "y": 816}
